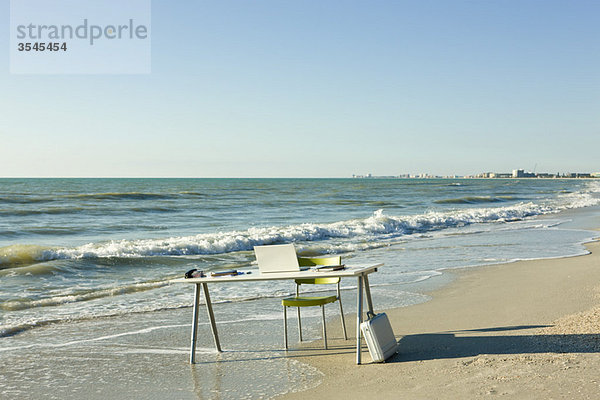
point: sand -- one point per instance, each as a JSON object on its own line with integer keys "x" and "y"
{"x": 525, "y": 330}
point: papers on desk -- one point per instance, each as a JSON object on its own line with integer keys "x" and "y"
{"x": 230, "y": 272}
{"x": 327, "y": 268}
{"x": 195, "y": 273}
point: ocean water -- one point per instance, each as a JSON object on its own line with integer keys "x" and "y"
{"x": 86, "y": 264}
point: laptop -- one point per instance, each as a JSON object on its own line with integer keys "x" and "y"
{"x": 276, "y": 258}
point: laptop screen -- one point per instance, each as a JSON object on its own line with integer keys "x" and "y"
{"x": 276, "y": 258}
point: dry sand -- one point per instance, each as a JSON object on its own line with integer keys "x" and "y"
{"x": 526, "y": 330}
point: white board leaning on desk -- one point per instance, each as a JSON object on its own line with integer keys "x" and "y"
{"x": 276, "y": 258}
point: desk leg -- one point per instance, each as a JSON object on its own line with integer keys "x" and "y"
{"x": 359, "y": 305}
{"x": 211, "y": 316}
{"x": 368, "y": 293}
{"x": 195, "y": 323}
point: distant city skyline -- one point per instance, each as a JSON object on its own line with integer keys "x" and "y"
{"x": 515, "y": 173}
{"x": 322, "y": 89}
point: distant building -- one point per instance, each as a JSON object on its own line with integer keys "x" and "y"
{"x": 362, "y": 176}
{"x": 520, "y": 173}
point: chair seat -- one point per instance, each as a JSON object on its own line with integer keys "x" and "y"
{"x": 308, "y": 301}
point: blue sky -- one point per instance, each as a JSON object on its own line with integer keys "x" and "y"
{"x": 322, "y": 89}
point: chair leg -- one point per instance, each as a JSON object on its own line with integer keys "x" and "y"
{"x": 285, "y": 327}
{"x": 299, "y": 324}
{"x": 343, "y": 321}
{"x": 324, "y": 328}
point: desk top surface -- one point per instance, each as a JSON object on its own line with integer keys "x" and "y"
{"x": 349, "y": 271}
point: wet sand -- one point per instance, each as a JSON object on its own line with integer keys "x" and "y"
{"x": 525, "y": 330}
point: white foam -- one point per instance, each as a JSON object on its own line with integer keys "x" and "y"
{"x": 21, "y": 304}
{"x": 106, "y": 337}
{"x": 164, "y": 351}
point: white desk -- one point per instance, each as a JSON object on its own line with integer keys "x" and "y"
{"x": 360, "y": 272}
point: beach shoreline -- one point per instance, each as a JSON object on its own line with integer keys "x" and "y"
{"x": 526, "y": 329}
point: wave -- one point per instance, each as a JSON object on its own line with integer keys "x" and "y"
{"x": 18, "y": 327}
{"x": 78, "y": 210}
{"x": 195, "y": 194}
{"x": 24, "y": 199}
{"x": 350, "y": 202}
{"x": 43, "y": 211}
{"x": 120, "y": 195}
{"x": 19, "y": 255}
{"x": 27, "y": 198}
{"x": 476, "y": 199}
{"x": 78, "y": 296}
{"x": 153, "y": 210}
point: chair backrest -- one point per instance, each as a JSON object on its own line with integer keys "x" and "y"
{"x": 312, "y": 261}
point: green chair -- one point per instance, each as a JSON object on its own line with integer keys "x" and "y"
{"x": 304, "y": 301}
